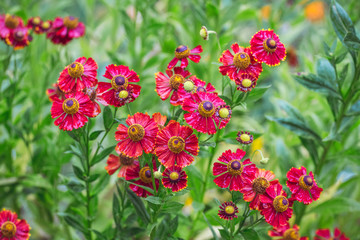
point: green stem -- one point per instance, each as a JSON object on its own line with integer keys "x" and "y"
{"x": 87, "y": 184}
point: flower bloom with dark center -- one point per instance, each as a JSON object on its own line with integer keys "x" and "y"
{"x": 18, "y": 38}
{"x": 121, "y": 161}
{"x": 38, "y": 26}
{"x": 78, "y": 75}
{"x": 193, "y": 85}
{"x": 201, "y": 107}
{"x": 302, "y": 185}
{"x": 95, "y": 96}
{"x": 170, "y": 83}
{"x": 8, "y": 23}
{"x": 176, "y": 145}
{"x": 55, "y": 93}
{"x": 142, "y": 177}
{"x": 138, "y": 136}
{"x": 266, "y": 47}
{"x": 174, "y": 178}
{"x": 256, "y": 186}
{"x": 241, "y": 62}
{"x": 12, "y": 228}
{"x": 228, "y": 211}
{"x": 244, "y": 137}
{"x": 120, "y": 90}
{"x": 286, "y": 233}
{"x": 231, "y": 171}
{"x": 160, "y": 120}
{"x": 182, "y": 53}
{"x": 245, "y": 82}
{"x": 72, "y": 112}
{"x": 275, "y": 206}
{"x": 63, "y": 30}
{"x": 223, "y": 115}
{"x": 325, "y": 234}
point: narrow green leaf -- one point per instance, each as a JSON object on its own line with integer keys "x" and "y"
{"x": 310, "y": 146}
{"x": 326, "y": 71}
{"x": 337, "y": 205}
{"x": 340, "y": 21}
{"x": 95, "y": 134}
{"x": 139, "y": 206}
{"x": 354, "y": 109}
{"x": 257, "y": 93}
{"x": 107, "y": 117}
{"x": 73, "y": 221}
{"x": 211, "y": 228}
{"x": 78, "y": 172}
{"x": 352, "y": 41}
{"x": 116, "y": 211}
{"x": 226, "y": 99}
{"x": 154, "y": 200}
{"x": 207, "y": 144}
{"x": 172, "y": 207}
{"x": 100, "y": 184}
{"x": 104, "y": 153}
{"x": 99, "y": 235}
{"x": 250, "y": 234}
{"x": 173, "y": 225}
{"x": 291, "y": 111}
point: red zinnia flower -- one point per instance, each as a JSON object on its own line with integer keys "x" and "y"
{"x": 166, "y": 84}
{"x": 78, "y": 75}
{"x": 63, "y": 30}
{"x": 256, "y": 186}
{"x": 119, "y": 91}
{"x": 244, "y": 137}
{"x": 12, "y": 228}
{"x": 122, "y": 161}
{"x": 303, "y": 187}
{"x": 245, "y": 82}
{"x": 174, "y": 178}
{"x": 139, "y": 136}
{"x": 286, "y": 233}
{"x": 231, "y": 171}
{"x": 325, "y": 234}
{"x": 241, "y": 62}
{"x": 55, "y": 93}
{"x": 228, "y": 211}
{"x": 141, "y": 177}
{"x": 72, "y": 112}
{"x": 95, "y": 95}
{"x": 8, "y": 23}
{"x": 202, "y": 107}
{"x": 182, "y": 53}
{"x": 38, "y": 26}
{"x": 176, "y": 144}
{"x": 193, "y": 85}
{"x": 275, "y": 207}
{"x": 266, "y": 47}
{"x": 18, "y": 38}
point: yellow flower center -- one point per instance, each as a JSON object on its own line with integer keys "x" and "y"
{"x": 145, "y": 175}
{"x": 174, "y": 176}
{"x": 224, "y": 112}
{"x": 123, "y": 94}
{"x": 306, "y": 182}
{"x": 75, "y": 70}
{"x": 11, "y": 21}
{"x": 119, "y": 81}
{"x": 176, "y": 144}
{"x": 70, "y": 106}
{"x": 246, "y": 83}
{"x": 136, "y": 132}
{"x": 291, "y": 234}
{"x": 204, "y": 33}
{"x": 45, "y": 25}
{"x": 71, "y": 22}
{"x": 125, "y": 160}
{"x": 280, "y": 203}
{"x": 245, "y": 137}
{"x": 206, "y": 109}
{"x": 235, "y": 167}
{"x": 189, "y": 86}
{"x": 176, "y": 80}
{"x": 241, "y": 60}
{"x": 36, "y": 20}
{"x": 229, "y": 210}
{"x": 260, "y": 185}
{"x": 182, "y": 52}
{"x": 8, "y": 229}
{"x": 270, "y": 45}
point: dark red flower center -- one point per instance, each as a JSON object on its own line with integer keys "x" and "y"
{"x": 136, "y": 132}
{"x": 8, "y": 229}
{"x": 206, "y": 109}
{"x": 119, "y": 81}
{"x": 280, "y": 203}
{"x": 291, "y": 234}
{"x": 235, "y": 167}
{"x": 125, "y": 160}
{"x": 306, "y": 182}
{"x": 145, "y": 175}
{"x": 70, "y": 106}
{"x": 11, "y": 21}
{"x": 200, "y": 89}
{"x": 241, "y": 60}
{"x": 270, "y": 45}
{"x": 176, "y": 144}
{"x": 76, "y": 70}
{"x": 36, "y": 21}
{"x": 182, "y": 51}
{"x": 71, "y": 22}
{"x": 260, "y": 185}
{"x": 174, "y": 176}
{"x": 19, "y": 35}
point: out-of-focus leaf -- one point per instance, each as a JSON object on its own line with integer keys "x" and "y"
{"x": 104, "y": 153}
{"x": 291, "y": 111}
{"x": 75, "y": 186}
{"x": 196, "y": 184}
{"x": 154, "y": 200}
{"x": 172, "y": 207}
{"x": 337, "y": 205}
{"x": 354, "y": 109}
{"x": 250, "y": 234}
{"x": 226, "y": 99}
{"x": 212, "y": 10}
{"x": 207, "y": 144}
{"x": 211, "y": 228}
{"x": 95, "y": 134}
{"x": 257, "y": 93}
{"x": 78, "y": 172}
{"x": 173, "y": 225}
{"x": 99, "y": 235}
{"x": 352, "y": 41}
{"x": 116, "y": 211}
{"x": 340, "y": 21}
{"x": 100, "y": 184}
{"x": 224, "y": 233}
{"x": 139, "y": 206}
{"x": 107, "y": 117}
{"x": 326, "y": 71}
{"x": 73, "y": 221}
{"x": 310, "y": 145}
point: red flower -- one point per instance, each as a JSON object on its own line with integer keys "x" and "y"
{"x": 174, "y": 178}
{"x": 176, "y": 144}
{"x": 12, "y": 228}
{"x": 201, "y": 107}
{"x": 139, "y": 136}
{"x": 72, "y": 112}
{"x": 122, "y": 161}
{"x": 241, "y": 62}
{"x": 256, "y": 186}
{"x": 18, "y": 38}
{"x": 325, "y": 234}
{"x": 223, "y": 114}
{"x": 166, "y": 84}
{"x": 266, "y": 47}
{"x": 38, "y": 26}
{"x": 182, "y": 53}
{"x": 63, "y": 30}
{"x": 78, "y": 75}
{"x": 286, "y": 233}
{"x": 95, "y": 95}
{"x": 160, "y": 120}
{"x": 119, "y": 91}
{"x": 193, "y": 85}
{"x": 244, "y": 137}
{"x": 141, "y": 177}
{"x": 8, "y": 23}
{"x": 275, "y": 207}
{"x": 231, "y": 171}
{"x": 228, "y": 211}
{"x": 303, "y": 187}
{"x": 245, "y": 82}
{"x": 55, "y": 93}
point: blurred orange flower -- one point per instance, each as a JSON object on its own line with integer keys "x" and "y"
{"x": 315, "y": 11}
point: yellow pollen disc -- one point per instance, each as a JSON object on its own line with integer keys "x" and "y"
{"x": 245, "y": 137}
{"x": 235, "y": 167}
{"x": 176, "y": 144}
{"x": 260, "y": 185}
{"x": 71, "y": 22}
{"x": 119, "y": 81}
{"x": 45, "y": 25}
{"x": 281, "y": 204}
{"x": 136, "y": 132}
{"x": 8, "y": 229}
{"x": 123, "y": 94}
{"x": 229, "y": 209}
{"x": 189, "y": 86}
{"x": 246, "y": 83}
{"x": 75, "y": 70}
{"x": 291, "y": 234}
{"x": 176, "y": 80}
{"x": 36, "y": 20}
{"x": 206, "y": 108}
{"x": 224, "y": 112}
{"x": 145, "y": 175}
{"x": 70, "y": 106}
{"x": 11, "y": 21}
{"x": 241, "y": 60}
{"x": 306, "y": 182}
{"x": 182, "y": 52}
{"x": 174, "y": 176}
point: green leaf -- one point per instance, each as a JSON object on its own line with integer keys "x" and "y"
{"x": 224, "y": 233}
{"x": 99, "y": 235}
{"x": 139, "y": 206}
{"x": 154, "y": 200}
{"x": 116, "y": 211}
{"x": 107, "y": 117}
{"x": 257, "y": 93}
{"x": 211, "y": 228}
{"x": 340, "y": 21}
{"x": 310, "y": 145}
{"x": 291, "y": 111}
{"x": 104, "y": 153}
{"x": 95, "y": 134}
{"x": 250, "y": 234}
{"x": 352, "y": 41}
{"x": 78, "y": 172}
{"x": 100, "y": 184}
{"x": 75, "y": 186}
{"x": 326, "y": 71}
{"x": 173, "y": 225}
{"x": 207, "y": 144}
{"x": 354, "y": 109}
{"x": 337, "y": 205}
{"x": 172, "y": 207}
{"x": 226, "y": 99}
{"x": 74, "y": 222}
{"x": 211, "y": 10}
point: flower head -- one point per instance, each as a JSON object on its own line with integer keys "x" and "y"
{"x": 63, "y": 30}
{"x": 18, "y": 38}
{"x": 174, "y": 178}
{"x": 325, "y": 234}
{"x": 95, "y": 96}
{"x": 13, "y": 228}
{"x": 38, "y": 25}
{"x": 121, "y": 161}
{"x": 55, "y": 93}
{"x": 228, "y": 211}
{"x": 193, "y": 85}
{"x": 244, "y": 137}
{"x": 286, "y": 233}
{"x": 9, "y": 23}
{"x": 160, "y": 120}
{"x": 223, "y": 114}
{"x": 182, "y": 53}
{"x": 245, "y": 82}
{"x": 315, "y": 11}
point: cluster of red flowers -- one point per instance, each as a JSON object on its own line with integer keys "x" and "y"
{"x": 15, "y": 33}
{"x": 12, "y": 228}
